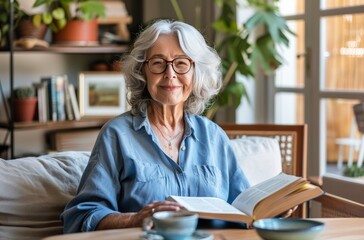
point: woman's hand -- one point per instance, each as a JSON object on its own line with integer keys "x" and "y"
{"x": 136, "y": 220}
{"x": 127, "y": 220}
{"x": 288, "y": 213}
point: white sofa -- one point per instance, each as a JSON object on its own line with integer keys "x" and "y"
{"x": 35, "y": 190}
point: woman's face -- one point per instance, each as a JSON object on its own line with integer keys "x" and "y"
{"x": 168, "y": 88}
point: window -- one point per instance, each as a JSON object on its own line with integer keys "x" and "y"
{"x": 324, "y": 75}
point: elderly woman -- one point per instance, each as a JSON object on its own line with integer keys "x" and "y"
{"x": 162, "y": 146}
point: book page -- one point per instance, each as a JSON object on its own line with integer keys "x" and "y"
{"x": 206, "y": 204}
{"x": 247, "y": 200}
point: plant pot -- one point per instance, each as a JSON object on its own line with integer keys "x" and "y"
{"x": 78, "y": 32}
{"x": 26, "y": 29}
{"x": 25, "y": 109}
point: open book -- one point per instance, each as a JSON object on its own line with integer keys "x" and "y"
{"x": 264, "y": 200}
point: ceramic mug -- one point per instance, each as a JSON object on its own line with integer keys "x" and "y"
{"x": 172, "y": 225}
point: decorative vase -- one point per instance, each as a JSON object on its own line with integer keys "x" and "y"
{"x": 25, "y": 109}
{"x": 78, "y": 33}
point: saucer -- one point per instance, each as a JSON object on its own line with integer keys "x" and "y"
{"x": 197, "y": 235}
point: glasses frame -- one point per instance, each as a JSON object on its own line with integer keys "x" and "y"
{"x": 169, "y": 62}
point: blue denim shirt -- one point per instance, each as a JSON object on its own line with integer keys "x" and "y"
{"x": 128, "y": 169}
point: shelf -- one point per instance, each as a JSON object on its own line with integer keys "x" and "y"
{"x": 75, "y": 49}
{"x": 83, "y": 123}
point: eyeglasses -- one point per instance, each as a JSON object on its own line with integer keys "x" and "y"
{"x": 159, "y": 65}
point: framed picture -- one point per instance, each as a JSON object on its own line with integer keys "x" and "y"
{"x": 102, "y": 94}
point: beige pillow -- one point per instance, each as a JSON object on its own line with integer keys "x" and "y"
{"x": 34, "y": 192}
{"x": 258, "y": 157}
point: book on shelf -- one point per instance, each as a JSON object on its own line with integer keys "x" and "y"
{"x": 60, "y": 98}
{"x": 50, "y": 82}
{"x": 74, "y": 103}
{"x": 264, "y": 200}
{"x": 67, "y": 100}
{"x": 42, "y": 108}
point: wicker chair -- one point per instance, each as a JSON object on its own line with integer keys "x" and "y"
{"x": 334, "y": 202}
{"x": 292, "y": 142}
{"x": 333, "y": 206}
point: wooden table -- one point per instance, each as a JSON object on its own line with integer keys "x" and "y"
{"x": 335, "y": 228}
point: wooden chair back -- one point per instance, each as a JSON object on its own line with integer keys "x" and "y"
{"x": 333, "y": 206}
{"x": 292, "y": 143}
{"x": 335, "y": 202}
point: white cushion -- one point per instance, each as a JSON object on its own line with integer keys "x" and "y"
{"x": 34, "y": 192}
{"x": 258, "y": 157}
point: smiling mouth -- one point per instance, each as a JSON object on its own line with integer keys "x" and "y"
{"x": 170, "y": 88}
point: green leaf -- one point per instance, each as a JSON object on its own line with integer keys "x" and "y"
{"x": 37, "y": 20}
{"x": 37, "y": 3}
{"x": 47, "y": 18}
{"x": 91, "y": 10}
{"x": 61, "y": 23}
{"x": 58, "y": 13}
{"x": 177, "y": 10}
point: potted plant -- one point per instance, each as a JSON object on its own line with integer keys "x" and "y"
{"x": 25, "y": 103}
{"x": 72, "y": 21}
{"x": 5, "y": 20}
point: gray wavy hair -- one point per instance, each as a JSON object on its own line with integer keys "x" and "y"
{"x": 207, "y": 74}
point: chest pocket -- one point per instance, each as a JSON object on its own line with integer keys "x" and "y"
{"x": 209, "y": 179}
{"x": 147, "y": 172}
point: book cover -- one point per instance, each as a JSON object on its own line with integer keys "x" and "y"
{"x": 68, "y": 103}
{"x": 60, "y": 97}
{"x": 74, "y": 102}
{"x": 41, "y": 89}
{"x": 51, "y": 95}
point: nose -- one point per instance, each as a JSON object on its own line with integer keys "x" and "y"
{"x": 169, "y": 73}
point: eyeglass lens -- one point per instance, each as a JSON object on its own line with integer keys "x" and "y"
{"x": 179, "y": 65}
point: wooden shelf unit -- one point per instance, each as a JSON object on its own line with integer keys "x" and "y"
{"x": 75, "y": 49}
{"x": 83, "y": 123}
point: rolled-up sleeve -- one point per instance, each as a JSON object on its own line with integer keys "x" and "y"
{"x": 98, "y": 190}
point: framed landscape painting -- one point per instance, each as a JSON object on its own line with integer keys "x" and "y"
{"x": 102, "y": 94}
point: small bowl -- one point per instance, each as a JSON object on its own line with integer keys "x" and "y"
{"x": 288, "y": 229}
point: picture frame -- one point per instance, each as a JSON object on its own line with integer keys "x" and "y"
{"x": 102, "y": 94}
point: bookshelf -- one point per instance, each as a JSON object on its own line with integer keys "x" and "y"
{"x": 89, "y": 123}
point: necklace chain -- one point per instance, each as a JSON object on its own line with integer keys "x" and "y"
{"x": 170, "y": 139}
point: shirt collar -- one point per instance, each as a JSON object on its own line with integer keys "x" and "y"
{"x": 141, "y": 120}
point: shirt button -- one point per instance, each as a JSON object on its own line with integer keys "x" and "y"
{"x": 183, "y": 148}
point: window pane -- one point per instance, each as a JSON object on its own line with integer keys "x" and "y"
{"x": 291, "y": 7}
{"x": 339, "y": 121}
{"x": 289, "y": 108}
{"x": 340, "y": 3}
{"x": 343, "y": 37}
{"x": 291, "y": 73}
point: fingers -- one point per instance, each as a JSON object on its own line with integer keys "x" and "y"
{"x": 152, "y": 208}
{"x": 162, "y": 206}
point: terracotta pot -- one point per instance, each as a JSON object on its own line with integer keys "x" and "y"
{"x": 77, "y": 32}
{"x": 25, "y": 109}
{"x": 26, "y": 29}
